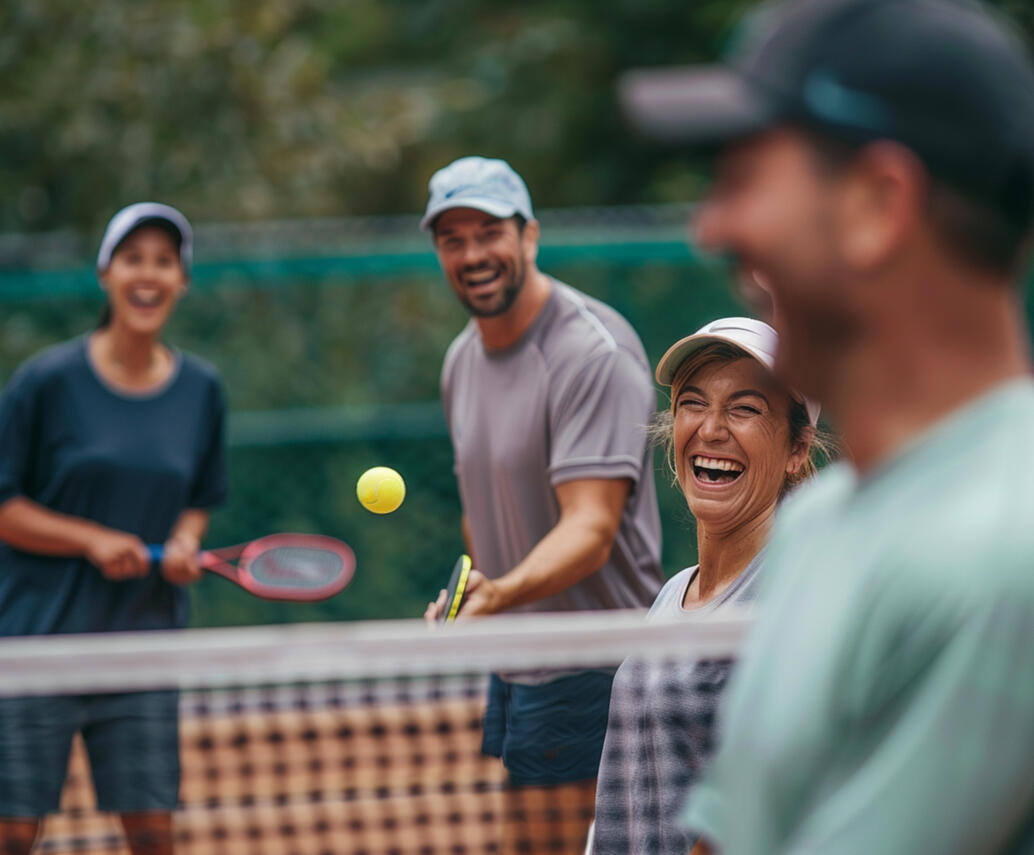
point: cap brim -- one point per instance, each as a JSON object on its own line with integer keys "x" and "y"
{"x": 701, "y": 105}
{"x": 135, "y": 215}
{"x": 684, "y": 348}
{"x": 490, "y": 206}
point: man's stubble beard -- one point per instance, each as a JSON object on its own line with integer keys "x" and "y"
{"x": 510, "y": 292}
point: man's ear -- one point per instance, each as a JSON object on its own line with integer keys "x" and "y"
{"x": 881, "y": 204}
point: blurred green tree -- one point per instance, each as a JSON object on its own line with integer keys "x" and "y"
{"x": 251, "y": 109}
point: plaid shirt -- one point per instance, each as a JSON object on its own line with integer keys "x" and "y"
{"x": 660, "y": 735}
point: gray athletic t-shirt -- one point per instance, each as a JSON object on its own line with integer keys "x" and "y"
{"x": 570, "y": 400}
{"x": 660, "y": 733}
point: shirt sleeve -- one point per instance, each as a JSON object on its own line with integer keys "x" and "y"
{"x": 17, "y": 417}
{"x": 951, "y": 772}
{"x": 704, "y": 813}
{"x": 599, "y": 418}
{"x": 212, "y": 484}
{"x": 446, "y": 385}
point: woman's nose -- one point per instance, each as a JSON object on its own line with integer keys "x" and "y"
{"x": 713, "y": 426}
{"x": 151, "y": 270}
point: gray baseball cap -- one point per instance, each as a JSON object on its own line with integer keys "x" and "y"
{"x": 135, "y": 215}
{"x": 483, "y": 183}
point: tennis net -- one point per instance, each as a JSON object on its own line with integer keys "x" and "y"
{"x": 344, "y": 738}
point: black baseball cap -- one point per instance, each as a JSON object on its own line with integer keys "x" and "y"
{"x": 947, "y": 78}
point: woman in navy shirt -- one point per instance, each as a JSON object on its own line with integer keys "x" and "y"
{"x": 108, "y": 442}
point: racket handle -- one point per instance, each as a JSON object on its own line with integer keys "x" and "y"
{"x": 205, "y": 559}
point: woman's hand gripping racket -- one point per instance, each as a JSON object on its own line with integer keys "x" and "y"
{"x": 456, "y": 589}
{"x": 296, "y": 567}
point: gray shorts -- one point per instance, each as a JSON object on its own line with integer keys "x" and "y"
{"x": 132, "y": 741}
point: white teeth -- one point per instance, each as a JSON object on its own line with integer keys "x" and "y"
{"x": 716, "y": 463}
{"x": 145, "y": 297}
{"x": 482, "y": 279}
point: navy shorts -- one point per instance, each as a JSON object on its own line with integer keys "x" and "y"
{"x": 550, "y": 733}
{"x": 132, "y": 741}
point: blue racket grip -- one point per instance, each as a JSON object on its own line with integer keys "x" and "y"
{"x": 156, "y": 551}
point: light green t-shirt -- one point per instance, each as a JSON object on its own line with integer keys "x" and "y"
{"x": 884, "y": 703}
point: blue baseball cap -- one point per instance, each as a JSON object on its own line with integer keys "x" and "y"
{"x": 135, "y": 215}
{"x": 483, "y": 183}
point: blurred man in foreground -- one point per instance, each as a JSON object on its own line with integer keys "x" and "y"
{"x": 875, "y": 165}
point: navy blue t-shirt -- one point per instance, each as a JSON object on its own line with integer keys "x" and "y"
{"x": 134, "y": 463}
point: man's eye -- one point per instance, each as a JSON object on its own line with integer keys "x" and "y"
{"x": 692, "y": 403}
{"x": 746, "y": 409}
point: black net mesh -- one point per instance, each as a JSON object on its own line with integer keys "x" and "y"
{"x": 364, "y": 739}
{"x": 335, "y": 768}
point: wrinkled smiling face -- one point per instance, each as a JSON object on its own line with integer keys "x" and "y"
{"x": 732, "y": 442}
{"x": 144, "y": 281}
{"x": 777, "y": 211}
{"x": 484, "y": 258}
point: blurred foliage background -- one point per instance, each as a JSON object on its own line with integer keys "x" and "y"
{"x": 249, "y": 109}
{"x": 299, "y": 135}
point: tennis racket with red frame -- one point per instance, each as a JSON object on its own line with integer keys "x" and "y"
{"x": 295, "y": 567}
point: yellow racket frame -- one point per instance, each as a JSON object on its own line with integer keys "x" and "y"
{"x": 452, "y": 607}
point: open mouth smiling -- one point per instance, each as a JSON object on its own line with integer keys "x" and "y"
{"x": 480, "y": 279}
{"x": 145, "y": 298}
{"x": 715, "y": 470}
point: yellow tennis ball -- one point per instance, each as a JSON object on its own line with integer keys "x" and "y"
{"x": 380, "y": 490}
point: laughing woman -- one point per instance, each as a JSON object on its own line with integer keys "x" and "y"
{"x": 110, "y": 441}
{"x": 739, "y": 441}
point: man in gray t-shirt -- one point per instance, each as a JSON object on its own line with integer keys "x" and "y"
{"x": 547, "y": 394}
{"x": 566, "y": 403}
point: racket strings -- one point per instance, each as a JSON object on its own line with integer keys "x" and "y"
{"x": 296, "y": 566}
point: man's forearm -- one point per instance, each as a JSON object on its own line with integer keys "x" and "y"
{"x": 575, "y": 548}
{"x": 468, "y": 539}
